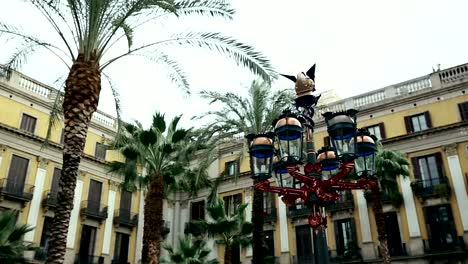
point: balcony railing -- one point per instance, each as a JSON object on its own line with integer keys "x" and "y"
{"x": 94, "y": 210}
{"x": 269, "y": 215}
{"x": 298, "y": 210}
{"x": 125, "y": 217}
{"x": 88, "y": 259}
{"x": 193, "y": 228}
{"x": 444, "y": 245}
{"x": 50, "y": 199}
{"x": 425, "y": 189}
{"x": 16, "y": 191}
{"x": 345, "y": 203}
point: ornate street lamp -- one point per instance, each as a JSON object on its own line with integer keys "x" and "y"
{"x": 318, "y": 181}
{"x": 261, "y": 150}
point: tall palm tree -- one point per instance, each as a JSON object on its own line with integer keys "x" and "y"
{"x": 253, "y": 114}
{"x": 389, "y": 166}
{"x": 190, "y": 252}
{"x": 89, "y": 31}
{"x": 158, "y": 158}
{"x": 229, "y": 229}
{"x": 12, "y": 246}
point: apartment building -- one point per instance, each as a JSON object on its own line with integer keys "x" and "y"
{"x": 425, "y": 118}
{"x": 105, "y": 224}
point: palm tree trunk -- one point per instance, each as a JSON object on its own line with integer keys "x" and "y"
{"x": 153, "y": 221}
{"x": 82, "y": 89}
{"x": 257, "y": 221}
{"x": 380, "y": 222}
{"x": 228, "y": 254}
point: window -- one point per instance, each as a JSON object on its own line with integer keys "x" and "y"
{"x": 17, "y": 174}
{"x": 28, "y": 123}
{"x": 269, "y": 238}
{"x": 268, "y": 201}
{"x": 54, "y": 188}
{"x": 87, "y": 244}
{"x": 326, "y": 141}
{"x": 62, "y": 137}
{"x": 428, "y": 168}
{"x": 231, "y": 202}
{"x": 126, "y": 200}
{"x": 121, "y": 248}
{"x": 463, "y": 108}
{"x": 44, "y": 244}
{"x": 304, "y": 244}
{"x": 441, "y": 227}
{"x": 100, "y": 152}
{"x": 419, "y": 122}
{"x": 94, "y": 196}
{"x": 198, "y": 210}
{"x": 377, "y": 130}
{"x": 232, "y": 168}
{"x": 345, "y": 237}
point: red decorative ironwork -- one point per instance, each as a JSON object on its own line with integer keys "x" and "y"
{"x": 326, "y": 191}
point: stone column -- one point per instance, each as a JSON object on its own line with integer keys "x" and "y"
{"x": 35, "y": 204}
{"x": 284, "y": 232}
{"x": 248, "y": 216}
{"x": 141, "y": 222}
{"x": 367, "y": 245}
{"x": 458, "y": 183}
{"x": 175, "y": 223}
{"x": 75, "y": 213}
{"x": 113, "y": 188}
{"x": 415, "y": 246}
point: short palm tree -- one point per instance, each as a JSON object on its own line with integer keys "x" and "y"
{"x": 89, "y": 32}
{"x": 253, "y": 114}
{"x": 158, "y": 158}
{"x": 190, "y": 251}
{"x": 389, "y": 166}
{"x": 229, "y": 229}
{"x": 12, "y": 246}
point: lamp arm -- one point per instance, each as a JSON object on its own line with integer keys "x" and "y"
{"x": 309, "y": 181}
{"x": 287, "y": 191}
{"x": 345, "y": 168}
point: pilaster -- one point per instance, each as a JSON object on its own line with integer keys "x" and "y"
{"x": 113, "y": 188}
{"x": 75, "y": 213}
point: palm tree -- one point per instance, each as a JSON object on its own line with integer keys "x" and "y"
{"x": 389, "y": 165}
{"x": 89, "y": 31}
{"x": 229, "y": 229}
{"x": 190, "y": 252}
{"x": 164, "y": 154}
{"x": 12, "y": 246}
{"x": 253, "y": 114}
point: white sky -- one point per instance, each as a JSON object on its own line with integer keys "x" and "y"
{"x": 358, "y": 46}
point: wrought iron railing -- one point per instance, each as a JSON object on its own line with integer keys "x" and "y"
{"x": 94, "y": 209}
{"x": 345, "y": 203}
{"x": 438, "y": 187}
{"x": 88, "y": 259}
{"x": 125, "y": 217}
{"x": 50, "y": 199}
{"x": 269, "y": 214}
{"x": 193, "y": 228}
{"x": 449, "y": 243}
{"x": 16, "y": 190}
{"x": 299, "y": 210}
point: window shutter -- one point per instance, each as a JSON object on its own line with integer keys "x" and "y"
{"x": 382, "y": 130}
{"x": 416, "y": 169}
{"x": 440, "y": 164}
{"x": 408, "y": 125}
{"x": 428, "y": 119}
{"x": 126, "y": 200}
{"x": 463, "y": 108}
{"x": 56, "y": 180}
{"x": 338, "y": 238}
{"x": 326, "y": 141}
{"x": 353, "y": 231}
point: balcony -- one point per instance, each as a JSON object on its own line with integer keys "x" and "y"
{"x": 298, "y": 210}
{"x": 193, "y": 228}
{"x": 50, "y": 200}
{"x": 93, "y": 210}
{"x": 269, "y": 215}
{"x": 16, "y": 191}
{"x": 443, "y": 247}
{"x": 123, "y": 217}
{"x": 345, "y": 203}
{"x": 432, "y": 188}
{"x": 88, "y": 259}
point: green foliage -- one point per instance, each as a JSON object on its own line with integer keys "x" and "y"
{"x": 151, "y": 152}
{"x": 12, "y": 246}
{"x": 189, "y": 251}
{"x": 228, "y": 229}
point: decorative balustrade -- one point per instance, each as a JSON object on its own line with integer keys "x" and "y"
{"x": 413, "y": 85}
{"x": 369, "y": 98}
{"x": 454, "y": 74}
{"x": 104, "y": 119}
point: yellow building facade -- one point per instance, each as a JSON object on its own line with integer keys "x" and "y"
{"x": 104, "y": 225}
{"x": 426, "y": 119}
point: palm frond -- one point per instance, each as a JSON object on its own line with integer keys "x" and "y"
{"x": 55, "y": 116}
{"x": 118, "y": 108}
{"x": 212, "y": 8}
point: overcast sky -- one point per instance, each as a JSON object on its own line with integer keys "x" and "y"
{"x": 358, "y": 46}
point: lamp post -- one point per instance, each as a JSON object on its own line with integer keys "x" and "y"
{"x": 323, "y": 172}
